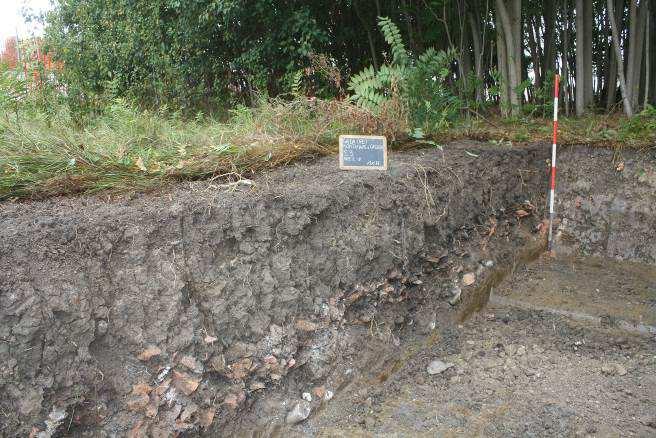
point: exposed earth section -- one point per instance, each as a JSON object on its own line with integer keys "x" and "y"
{"x": 262, "y": 307}
{"x": 513, "y": 373}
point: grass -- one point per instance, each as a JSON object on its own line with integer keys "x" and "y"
{"x": 612, "y": 131}
{"x": 44, "y": 154}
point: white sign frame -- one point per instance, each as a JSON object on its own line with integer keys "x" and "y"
{"x": 368, "y": 137}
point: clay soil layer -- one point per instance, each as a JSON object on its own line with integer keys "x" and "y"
{"x": 210, "y": 308}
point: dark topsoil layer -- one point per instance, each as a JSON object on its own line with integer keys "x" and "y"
{"x": 173, "y": 312}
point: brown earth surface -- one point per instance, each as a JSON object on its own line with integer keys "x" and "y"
{"x": 209, "y": 309}
{"x": 516, "y": 372}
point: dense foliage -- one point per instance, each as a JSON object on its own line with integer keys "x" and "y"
{"x": 418, "y": 84}
{"x": 182, "y": 53}
{"x": 202, "y": 54}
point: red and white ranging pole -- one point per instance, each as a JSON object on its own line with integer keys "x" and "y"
{"x": 552, "y": 185}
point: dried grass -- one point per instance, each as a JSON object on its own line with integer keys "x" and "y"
{"x": 128, "y": 149}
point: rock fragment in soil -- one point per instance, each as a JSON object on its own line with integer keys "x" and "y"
{"x": 206, "y": 418}
{"x": 150, "y": 351}
{"x": 438, "y": 367}
{"x": 192, "y": 364}
{"x": 300, "y": 412}
{"x": 319, "y": 391}
{"x": 56, "y": 417}
{"x": 612, "y": 369}
{"x": 256, "y": 386}
{"x": 233, "y": 401}
{"x": 185, "y": 383}
{"x": 456, "y": 292}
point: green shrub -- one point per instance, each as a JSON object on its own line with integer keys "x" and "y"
{"x": 420, "y": 84}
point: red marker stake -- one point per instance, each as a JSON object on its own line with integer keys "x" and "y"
{"x": 552, "y": 185}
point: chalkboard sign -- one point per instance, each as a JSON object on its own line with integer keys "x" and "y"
{"x": 362, "y": 152}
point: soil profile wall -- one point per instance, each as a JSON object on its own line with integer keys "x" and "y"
{"x": 168, "y": 312}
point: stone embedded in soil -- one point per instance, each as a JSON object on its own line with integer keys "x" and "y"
{"x": 138, "y": 403}
{"x": 306, "y": 326}
{"x": 256, "y": 386}
{"x": 468, "y": 279}
{"x": 206, "y": 417}
{"x": 438, "y": 367}
{"x": 456, "y": 292}
{"x": 270, "y": 360}
{"x": 192, "y": 364}
{"x": 162, "y": 387}
{"x": 394, "y": 274}
{"x": 150, "y": 351}
{"x": 188, "y": 411}
{"x": 240, "y": 369}
{"x": 611, "y": 369}
{"x": 55, "y": 418}
{"x": 425, "y": 320}
{"x": 141, "y": 389}
{"x": 621, "y": 370}
{"x": 234, "y": 400}
{"x": 152, "y": 408}
{"x": 210, "y": 339}
{"x": 185, "y": 383}
{"x": 299, "y": 412}
{"x": 102, "y": 328}
{"x": 319, "y": 391}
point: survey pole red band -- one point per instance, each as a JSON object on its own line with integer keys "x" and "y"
{"x": 552, "y": 182}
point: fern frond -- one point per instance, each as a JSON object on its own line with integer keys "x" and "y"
{"x": 393, "y": 37}
{"x": 296, "y": 83}
{"x": 365, "y": 78}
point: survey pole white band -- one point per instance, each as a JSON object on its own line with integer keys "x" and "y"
{"x": 552, "y": 179}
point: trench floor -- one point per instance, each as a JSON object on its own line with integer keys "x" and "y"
{"x": 528, "y": 365}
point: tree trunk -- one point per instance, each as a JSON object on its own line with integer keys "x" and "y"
{"x": 549, "y": 12}
{"x": 638, "y": 54}
{"x": 620, "y": 65}
{"x": 587, "y": 53}
{"x": 633, "y": 25}
{"x": 478, "y": 55}
{"x": 565, "y": 59}
{"x": 511, "y": 44}
{"x": 580, "y": 59}
{"x": 611, "y": 92}
{"x": 516, "y": 20}
{"x": 647, "y": 60}
{"x": 370, "y": 38}
{"x": 611, "y": 86}
{"x": 534, "y": 49}
{"x": 502, "y": 64}
{"x": 408, "y": 24}
{"x": 465, "y": 53}
{"x": 652, "y": 55}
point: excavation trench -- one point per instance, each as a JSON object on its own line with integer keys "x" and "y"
{"x": 202, "y": 308}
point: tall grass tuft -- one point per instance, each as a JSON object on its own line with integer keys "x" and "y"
{"x": 47, "y": 153}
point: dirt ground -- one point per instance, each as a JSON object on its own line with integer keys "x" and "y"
{"x": 515, "y": 372}
{"x": 311, "y": 301}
